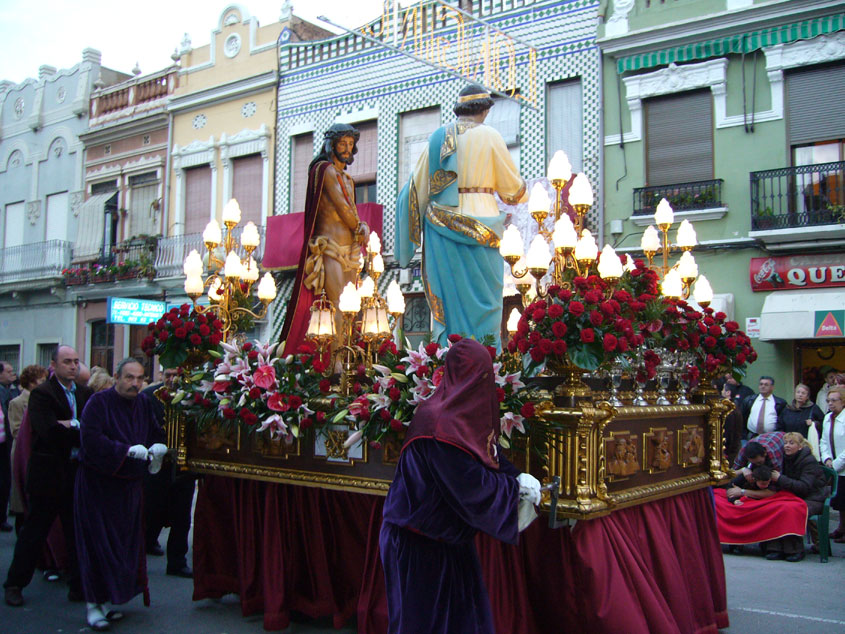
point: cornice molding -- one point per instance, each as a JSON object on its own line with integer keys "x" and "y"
{"x": 223, "y": 92}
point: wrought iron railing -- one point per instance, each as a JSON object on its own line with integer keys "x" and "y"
{"x": 171, "y": 252}
{"x": 682, "y": 196}
{"x": 37, "y": 261}
{"x": 800, "y": 196}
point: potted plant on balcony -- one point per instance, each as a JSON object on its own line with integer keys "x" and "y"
{"x": 75, "y": 276}
{"x": 126, "y": 270}
{"x": 100, "y": 273}
{"x": 764, "y": 219}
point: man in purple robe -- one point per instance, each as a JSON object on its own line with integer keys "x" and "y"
{"x": 449, "y": 484}
{"x": 118, "y": 426}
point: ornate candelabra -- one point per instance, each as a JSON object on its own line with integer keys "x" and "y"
{"x": 231, "y": 278}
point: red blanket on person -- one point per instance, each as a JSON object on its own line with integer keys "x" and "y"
{"x": 759, "y": 520}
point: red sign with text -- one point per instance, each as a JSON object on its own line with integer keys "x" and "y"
{"x": 795, "y": 272}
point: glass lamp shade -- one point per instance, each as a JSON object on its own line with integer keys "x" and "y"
{"x": 539, "y": 199}
{"x": 395, "y": 299}
{"x": 232, "y": 212}
{"x": 383, "y": 321}
{"x": 233, "y": 267}
{"x": 513, "y": 321}
{"x": 193, "y": 264}
{"x": 350, "y": 300}
{"x": 374, "y": 245}
{"x": 250, "y": 273}
{"x": 610, "y": 267}
{"x": 193, "y": 286}
{"x": 511, "y": 244}
{"x": 586, "y": 249}
{"x": 650, "y": 242}
{"x": 687, "y": 268}
{"x": 560, "y": 168}
{"x": 581, "y": 192}
{"x": 671, "y": 286}
{"x": 367, "y": 288}
{"x": 686, "y": 235}
{"x": 267, "y": 288}
{"x": 629, "y": 263}
{"x": 378, "y": 263}
{"x": 564, "y": 235}
{"x": 702, "y": 292}
{"x": 369, "y": 321}
{"x": 321, "y": 323}
{"x": 250, "y": 237}
{"x": 538, "y": 254}
{"x": 664, "y": 214}
{"x": 212, "y": 233}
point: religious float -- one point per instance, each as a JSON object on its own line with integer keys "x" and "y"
{"x": 604, "y": 388}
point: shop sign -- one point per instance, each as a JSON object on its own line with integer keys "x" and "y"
{"x": 795, "y": 272}
{"x": 829, "y": 323}
{"x": 752, "y": 327}
{"x": 126, "y": 310}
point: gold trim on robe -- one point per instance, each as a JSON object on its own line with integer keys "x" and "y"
{"x": 440, "y": 180}
{"x": 464, "y": 225}
{"x": 450, "y": 142}
{"x": 415, "y": 220}
{"x": 435, "y": 304}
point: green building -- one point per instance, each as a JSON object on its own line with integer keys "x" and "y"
{"x": 734, "y": 110}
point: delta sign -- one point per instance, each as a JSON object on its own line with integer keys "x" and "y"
{"x": 829, "y": 323}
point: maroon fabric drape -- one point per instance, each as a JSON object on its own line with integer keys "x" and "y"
{"x": 652, "y": 568}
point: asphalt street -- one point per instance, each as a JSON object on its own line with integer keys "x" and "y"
{"x": 770, "y": 597}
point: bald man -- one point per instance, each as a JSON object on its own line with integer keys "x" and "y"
{"x": 55, "y": 408}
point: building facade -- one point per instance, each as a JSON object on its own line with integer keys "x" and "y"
{"x": 733, "y": 111}
{"x": 41, "y": 194}
{"x": 396, "y": 81}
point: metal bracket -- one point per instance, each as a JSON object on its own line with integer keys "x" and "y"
{"x": 553, "y": 488}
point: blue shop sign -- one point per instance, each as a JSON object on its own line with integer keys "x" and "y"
{"x": 126, "y": 310}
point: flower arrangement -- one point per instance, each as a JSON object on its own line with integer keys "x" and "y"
{"x": 180, "y": 332}
{"x": 75, "y": 275}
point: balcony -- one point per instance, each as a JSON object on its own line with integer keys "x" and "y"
{"x": 798, "y": 203}
{"x": 39, "y": 263}
{"x": 698, "y": 200}
{"x": 171, "y": 252}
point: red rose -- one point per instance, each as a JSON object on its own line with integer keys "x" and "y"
{"x": 455, "y": 338}
{"x": 254, "y": 393}
{"x": 204, "y": 330}
{"x": 248, "y": 417}
{"x": 730, "y": 343}
{"x": 185, "y": 310}
{"x": 576, "y": 308}
{"x": 220, "y": 386}
{"x": 294, "y": 401}
{"x": 180, "y": 333}
{"x": 555, "y": 311}
{"x": 394, "y": 393}
{"x": 559, "y": 346}
{"x": 610, "y": 342}
{"x": 492, "y": 352}
{"x": 564, "y": 295}
{"x": 163, "y": 335}
{"x": 229, "y": 413}
{"x": 559, "y": 329}
{"x": 709, "y": 342}
{"x": 201, "y": 319}
{"x": 189, "y": 326}
{"x": 325, "y": 385}
{"x": 511, "y": 347}
{"x": 720, "y": 316}
{"x": 321, "y": 417}
{"x": 740, "y": 358}
{"x": 593, "y": 296}
{"x": 215, "y": 339}
{"x": 177, "y": 323}
{"x": 537, "y": 355}
{"x": 622, "y": 344}
{"x": 500, "y": 394}
{"x": 714, "y": 330}
{"x": 161, "y": 323}
{"x": 305, "y": 423}
{"x": 396, "y": 425}
{"x": 588, "y": 335}
{"x": 546, "y": 346}
{"x": 252, "y": 354}
{"x": 731, "y": 326}
{"x": 217, "y": 324}
{"x": 423, "y": 371}
{"x": 385, "y": 414}
{"x": 527, "y": 410}
{"x": 432, "y": 348}
{"x": 247, "y": 347}
{"x": 195, "y": 339}
{"x": 539, "y": 315}
{"x": 522, "y": 345}
{"x": 596, "y": 318}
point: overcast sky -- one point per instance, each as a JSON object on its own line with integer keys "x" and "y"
{"x": 54, "y": 32}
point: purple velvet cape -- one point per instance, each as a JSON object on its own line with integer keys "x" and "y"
{"x": 440, "y": 497}
{"x": 109, "y": 487}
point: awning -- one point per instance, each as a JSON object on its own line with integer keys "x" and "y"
{"x": 803, "y": 314}
{"x": 89, "y": 233}
{"x": 737, "y": 43}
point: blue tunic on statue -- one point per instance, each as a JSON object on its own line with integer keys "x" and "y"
{"x": 440, "y": 498}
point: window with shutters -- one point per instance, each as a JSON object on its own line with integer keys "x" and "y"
{"x": 247, "y": 186}
{"x": 102, "y": 345}
{"x": 301, "y": 153}
{"x": 197, "y": 198}
{"x": 143, "y": 194}
{"x": 44, "y": 353}
{"x": 13, "y": 224}
{"x": 679, "y": 138}
{"x": 564, "y": 123}
{"x": 55, "y": 226}
{"x": 11, "y": 354}
{"x": 414, "y": 129}
{"x": 364, "y": 167}
{"x": 416, "y": 322}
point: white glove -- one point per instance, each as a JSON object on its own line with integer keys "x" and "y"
{"x": 139, "y": 452}
{"x": 525, "y": 514}
{"x": 156, "y": 455}
{"x": 529, "y": 488}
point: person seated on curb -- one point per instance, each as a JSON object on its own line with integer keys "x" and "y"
{"x": 803, "y": 476}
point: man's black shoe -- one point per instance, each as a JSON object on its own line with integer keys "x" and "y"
{"x": 155, "y": 550}
{"x": 796, "y": 557}
{"x": 184, "y": 572}
{"x": 774, "y": 556}
{"x": 6, "y": 527}
{"x": 75, "y": 596}
{"x": 14, "y": 597}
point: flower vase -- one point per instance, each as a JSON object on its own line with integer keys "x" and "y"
{"x": 639, "y": 397}
{"x": 615, "y": 384}
{"x": 572, "y": 388}
{"x": 684, "y": 384}
{"x": 663, "y": 379}
{"x": 195, "y": 359}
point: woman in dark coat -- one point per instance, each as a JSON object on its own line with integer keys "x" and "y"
{"x": 449, "y": 484}
{"x": 798, "y": 414}
{"x": 803, "y": 476}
